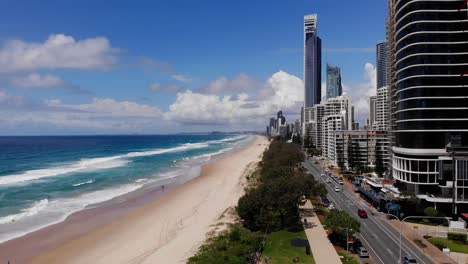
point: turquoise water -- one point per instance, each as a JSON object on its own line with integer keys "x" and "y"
{"x": 45, "y": 179}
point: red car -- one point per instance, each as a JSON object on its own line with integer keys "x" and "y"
{"x": 362, "y": 213}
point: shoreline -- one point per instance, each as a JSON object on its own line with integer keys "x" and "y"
{"x": 86, "y": 222}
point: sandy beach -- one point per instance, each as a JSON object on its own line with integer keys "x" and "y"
{"x": 167, "y": 230}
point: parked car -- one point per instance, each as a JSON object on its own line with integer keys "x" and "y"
{"x": 331, "y": 207}
{"x": 362, "y": 213}
{"x": 325, "y": 201}
{"x": 409, "y": 260}
{"x": 362, "y": 252}
{"x": 337, "y": 189}
{"x": 356, "y": 245}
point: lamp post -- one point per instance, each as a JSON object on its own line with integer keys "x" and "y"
{"x": 414, "y": 217}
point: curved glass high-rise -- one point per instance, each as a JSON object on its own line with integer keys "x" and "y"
{"x": 429, "y": 97}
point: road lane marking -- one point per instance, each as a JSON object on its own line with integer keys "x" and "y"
{"x": 382, "y": 227}
{"x": 369, "y": 245}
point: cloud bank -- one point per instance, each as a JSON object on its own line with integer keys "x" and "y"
{"x": 59, "y": 51}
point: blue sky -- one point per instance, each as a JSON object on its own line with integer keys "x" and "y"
{"x": 119, "y": 66}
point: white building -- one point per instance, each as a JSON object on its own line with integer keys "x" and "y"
{"x": 381, "y": 110}
{"x": 337, "y": 115}
{"x": 367, "y": 145}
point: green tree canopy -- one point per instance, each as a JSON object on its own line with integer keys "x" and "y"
{"x": 341, "y": 222}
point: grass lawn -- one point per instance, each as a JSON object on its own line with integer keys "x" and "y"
{"x": 452, "y": 245}
{"x": 348, "y": 258}
{"x": 278, "y": 247}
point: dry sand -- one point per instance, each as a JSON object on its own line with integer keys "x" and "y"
{"x": 168, "y": 230}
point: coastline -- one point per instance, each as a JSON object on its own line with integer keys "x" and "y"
{"x": 94, "y": 230}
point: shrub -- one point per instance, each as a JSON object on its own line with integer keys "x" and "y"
{"x": 230, "y": 246}
{"x": 322, "y": 211}
{"x": 431, "y": 211}
{"x": 461, "y": 237}
{"x": 420, "y": 243}
{"x": 438, "y": 243}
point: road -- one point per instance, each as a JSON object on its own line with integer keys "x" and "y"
{"x": 380, "y": 239}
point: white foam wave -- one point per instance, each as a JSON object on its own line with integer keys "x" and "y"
{"x": 141, "y": 180}
{"x": 83, "y": 183}
{"x": 44, "y": 212}
{"x": 209, "y": 155}
{"x": 229, "y": 139}
{"x": 91, "y": 164}
{"x": 33, "y": 210}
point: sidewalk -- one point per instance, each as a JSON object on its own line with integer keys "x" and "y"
{"x": 322, "y": 249}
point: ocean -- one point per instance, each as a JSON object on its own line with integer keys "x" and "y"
{"x": 44, "y": 179}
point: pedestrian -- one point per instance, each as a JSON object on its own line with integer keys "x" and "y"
{"x": 162, "y": 188}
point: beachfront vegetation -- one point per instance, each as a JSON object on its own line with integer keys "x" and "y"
{"x": 283, "y": 246}
{"x": 342, "y": 223}
{"x": 235, "y": 245}
{"x": 348, "y": 258}
{"x": 273, "y": 204}
{"x": 268, "y": 212}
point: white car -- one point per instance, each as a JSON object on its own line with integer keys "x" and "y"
{"x": 328, "y": 180}
{"x": 321, "y": 175}
{"x": 340, "y": 182}
{"x": 337, "y": 189}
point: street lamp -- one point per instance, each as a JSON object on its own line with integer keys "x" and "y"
{"x": 414, "y": 217}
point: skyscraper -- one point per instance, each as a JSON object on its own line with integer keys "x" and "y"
{"x": 312, "y": 62}
{"x": 428, "y": 91}
{"x": 334, "y": 87}
{"x": 372, "y": 106}
{"x": 381, "y": 56}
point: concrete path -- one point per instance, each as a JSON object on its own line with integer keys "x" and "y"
{"x": 321, "y": 247}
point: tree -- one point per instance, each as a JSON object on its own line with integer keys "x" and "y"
{"x": 341, "y": 223}
{"x": 431, "y": 212}
{"x": 379, "y": 166}
{"x": 340, "y": 154}
{"x": 352, "y": 161}
{"x": 306, "y": 137}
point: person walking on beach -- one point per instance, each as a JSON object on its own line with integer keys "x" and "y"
{"x": 162, "y": 188}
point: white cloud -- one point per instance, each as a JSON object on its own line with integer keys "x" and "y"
{"x": 282, "y": 91}
{"x": 35, "y": 80}
{"x": 158, "y": 88}
{"x": 109, "y": 107}
{"x": 9, "y": 101}
{"x": 58, "y": 51}
{"x": 360, "y": 92}
{"x": 239, "y": 84}
{"x": 181, "y": 78}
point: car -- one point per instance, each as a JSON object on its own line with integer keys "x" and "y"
{"x": 356, "y": 245}
{"x": 362, "y": 213}
{"x": 325, "y": 201}
{"x": 340, "y": 182}
{"x": 316, "y": 162}
{"x": 409, "y": 260}
{"x": 321, "y": 175}
{"x": 337, "y": 189}
{"x": 362, "y": 252}
{"x": 331, "y": 207}
{"x": 328, "y": 180}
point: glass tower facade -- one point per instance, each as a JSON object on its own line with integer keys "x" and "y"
{"x": 381, "y": 55}
{"x": 334, "y": 87}
{"x": 312, "y": 62}
{"x": 429, "y": 97}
